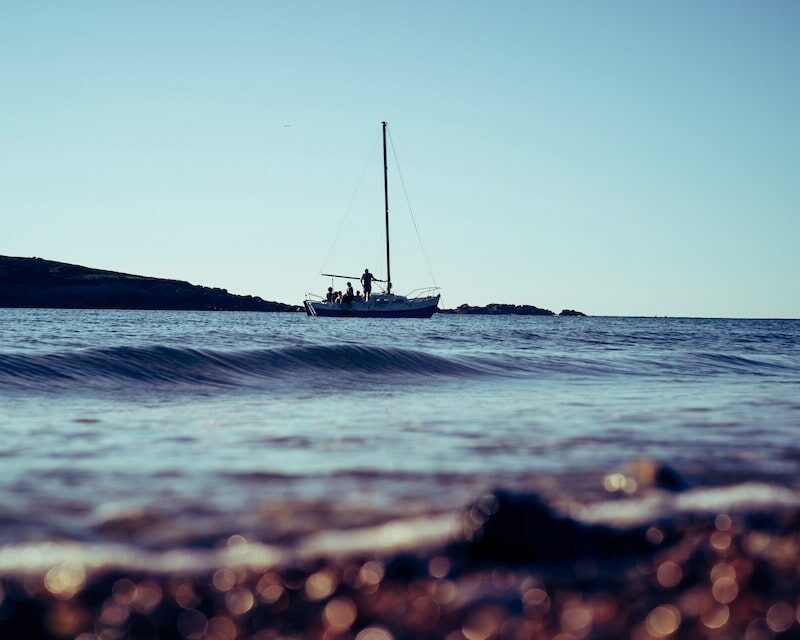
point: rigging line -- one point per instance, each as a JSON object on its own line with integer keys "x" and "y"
{"x": 411, "y": 211}
{"x": 347, "y": 212}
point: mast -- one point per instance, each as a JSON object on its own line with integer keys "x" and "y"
{"x": 386, "y": 198}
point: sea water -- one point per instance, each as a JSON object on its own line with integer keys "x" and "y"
{"x": 153, "y": 432}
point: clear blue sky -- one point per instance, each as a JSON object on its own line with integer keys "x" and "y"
{"x": 615, "y": 157}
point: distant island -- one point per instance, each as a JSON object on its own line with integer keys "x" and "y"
{"x": 37, "y": 283}
{"x": 497, "y": 309}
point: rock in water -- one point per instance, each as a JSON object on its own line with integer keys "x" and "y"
{"x": 497, "y": 309}
{"x": 571, "y": 312}
{"x": 520, "y": 527}
{"x": 650, "y": 473}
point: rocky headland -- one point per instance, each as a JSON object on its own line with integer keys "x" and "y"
{"x": 38, "y": 283}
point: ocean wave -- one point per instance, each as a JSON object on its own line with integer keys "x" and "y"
{"x": 167, "y": 365}
{"x": 316, "y": 365}
{"x": 730, "y": 362}
{"x": 743, "y": 498}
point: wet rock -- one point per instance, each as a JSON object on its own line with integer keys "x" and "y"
{"x": 406, "y": 566}
{"x": 650, "y": 473}
{"x": 669, "y": 479}
{"x": 520, "y": 527}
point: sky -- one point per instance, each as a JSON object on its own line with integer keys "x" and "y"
{"x": 620, "y": 158}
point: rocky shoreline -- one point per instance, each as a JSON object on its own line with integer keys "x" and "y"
{"x": 45, "y": 284}
{"x": 516, "y": 569}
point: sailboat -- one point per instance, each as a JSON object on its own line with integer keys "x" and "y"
{"x": 420, "y": 303}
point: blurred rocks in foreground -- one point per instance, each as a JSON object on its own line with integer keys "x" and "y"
{"x": 518, "y": 569}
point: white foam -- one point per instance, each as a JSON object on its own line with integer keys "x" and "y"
{"x": 748, "y": 496}
{"x": 399, "y": 535}
{"x": 40, "y": 557}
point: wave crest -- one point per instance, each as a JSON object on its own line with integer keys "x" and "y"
{"x": 160, "y": 364}
{"x": 323, "y": 365}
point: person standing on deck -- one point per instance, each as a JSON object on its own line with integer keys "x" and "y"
{"x": 366, "y": 280}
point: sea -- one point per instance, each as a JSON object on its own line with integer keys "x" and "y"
{"x": 156, "y": 439}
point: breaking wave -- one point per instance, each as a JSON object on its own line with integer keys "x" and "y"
{"x": 166, "y": 365}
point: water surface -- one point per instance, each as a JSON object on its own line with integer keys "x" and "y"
{"x": 173, "y": 430}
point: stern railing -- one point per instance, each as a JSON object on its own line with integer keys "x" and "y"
{"x": 422, "y": 292}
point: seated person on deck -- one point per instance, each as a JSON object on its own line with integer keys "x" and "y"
{"x": 329, "y": 295}
{"x": 348, "y": 296}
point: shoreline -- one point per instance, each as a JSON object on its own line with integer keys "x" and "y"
{"x": 510, "y": 566}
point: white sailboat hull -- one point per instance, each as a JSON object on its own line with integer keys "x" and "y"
{"x": 379, "y": 306}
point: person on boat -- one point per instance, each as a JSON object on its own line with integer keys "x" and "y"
{"x": 366, "y": 280}
{"x": 359, "y": 297}
{"x": 349, "y": 296}
{"x": 329, "y": 295}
